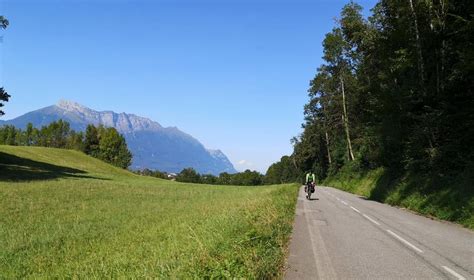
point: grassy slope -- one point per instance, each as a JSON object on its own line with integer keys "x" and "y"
{"x": 449, "y": 198}
{"x": 63, "y": 214}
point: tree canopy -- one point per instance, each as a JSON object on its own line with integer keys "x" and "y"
{"x": 4, "y": 96}
{"x": 395, "y": 91}
{"x": 100, "y": 142}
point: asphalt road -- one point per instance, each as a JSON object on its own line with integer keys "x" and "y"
{"x": 338, "y": 235}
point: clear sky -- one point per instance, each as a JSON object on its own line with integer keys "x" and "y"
{"x": 234, "y": 74}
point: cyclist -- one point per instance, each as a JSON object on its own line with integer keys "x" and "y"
{"x": 310, "y": 183}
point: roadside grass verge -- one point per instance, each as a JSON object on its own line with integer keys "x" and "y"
{"x": 448, "y": 198}
{"x": 66, "y": 215}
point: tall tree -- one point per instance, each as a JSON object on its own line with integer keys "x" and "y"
{"x": 4, "y": 22}
{"x": 91, "y": 141}
{"x": 29, "y": 134}
{"x": 339, "y": 66}
{"x": 4, "y": 96}
{"x": 419, "y": 52}
{"x": 113, "y": 147}
{"x": 189, "y": 175}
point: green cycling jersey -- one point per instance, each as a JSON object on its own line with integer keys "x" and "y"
{"x": 310, "y": 177}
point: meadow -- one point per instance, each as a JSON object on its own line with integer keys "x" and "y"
{"x": 66, "y": 215}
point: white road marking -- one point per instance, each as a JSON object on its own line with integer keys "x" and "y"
{"x": 457, "y": 275}
{"x": 310, "y": 233}
{"x": 370, "y": 219}
{"x": 404, "y": 241}
{"x": 355, "y": 209}
{"x": 323, "y": 263}
{"x": 343, "y": 202}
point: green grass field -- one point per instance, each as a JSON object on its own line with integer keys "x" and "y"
{"x": 64, "y": 214}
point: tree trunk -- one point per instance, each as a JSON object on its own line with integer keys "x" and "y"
{"x": 327, "y": 147}
{"x": 421, "y": 67}
{"x": 326, "y": 131}
{"x": 346, "y": 121}
{"x": 442, "y": 22}
{"x": 294, "y": 163}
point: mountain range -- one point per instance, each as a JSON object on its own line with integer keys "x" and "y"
{"x": 152, "y": 145}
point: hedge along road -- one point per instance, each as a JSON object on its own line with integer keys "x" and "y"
{"x": 338, "y": 235}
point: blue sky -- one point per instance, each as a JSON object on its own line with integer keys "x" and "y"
{"x": 234, "y": 74}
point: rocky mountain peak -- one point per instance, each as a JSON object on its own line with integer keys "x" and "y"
{"x": 153, "y": 146}
{"x": 71, "y": 106}
{"x": 123, "y": 122}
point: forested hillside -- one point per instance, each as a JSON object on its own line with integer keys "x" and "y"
{"x": 393, "y": 102}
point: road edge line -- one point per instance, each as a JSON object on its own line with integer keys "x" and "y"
{"x": 457, "y": 275}
{"x": 355, "y": 209}
{"x": 404, "y": 241}
{"x": 370, "y": 219}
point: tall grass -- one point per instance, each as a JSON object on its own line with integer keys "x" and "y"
{"x": 87, "y": 219}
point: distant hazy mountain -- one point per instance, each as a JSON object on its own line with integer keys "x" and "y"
{"x": 153, "y": 146}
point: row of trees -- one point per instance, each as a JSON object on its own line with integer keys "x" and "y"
{"x": 153, "y": 173}
{"x": 190, "y": 175}
{"x": 284, "y": 171}
{"x": 246, "y": 178}
{"x": 395, "y": 90}
{"x": 100, "y": 142}
{"x": 56, "y": 135}
{"x": 4, "y": 96}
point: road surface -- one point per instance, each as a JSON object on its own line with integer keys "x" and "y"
{"x": 339, "y": 235}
